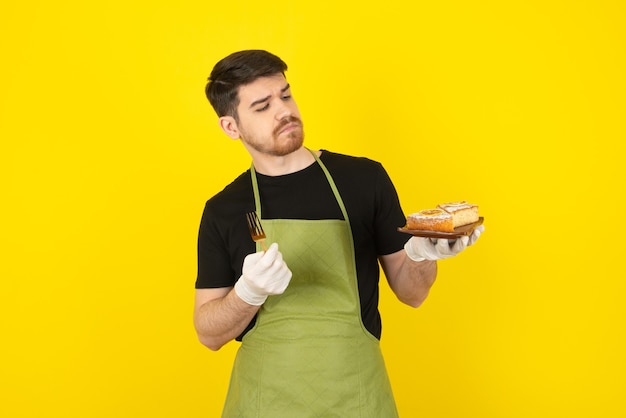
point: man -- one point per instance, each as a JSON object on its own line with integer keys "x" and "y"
{"x": 305, "y": 310}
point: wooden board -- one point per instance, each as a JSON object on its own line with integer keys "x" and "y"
{"x": 458, "y": 232}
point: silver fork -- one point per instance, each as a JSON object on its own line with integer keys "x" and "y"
{"x": 256, "y": 229}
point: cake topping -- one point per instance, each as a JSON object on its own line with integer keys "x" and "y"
{"x": 431, "y": 212}
{"x": 455, "y": 206}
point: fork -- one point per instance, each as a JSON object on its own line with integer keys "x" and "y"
{"x": 256, "y": 230}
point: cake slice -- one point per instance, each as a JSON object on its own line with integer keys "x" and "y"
{"x": 444, "y": 218}
{"x": 431, "y": 220}
{"x": 463, "y": 213}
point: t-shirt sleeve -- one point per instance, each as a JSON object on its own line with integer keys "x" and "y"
{"x": 389, "y": 216}
{"x": 214, "y": 269}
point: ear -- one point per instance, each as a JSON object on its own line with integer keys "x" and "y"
{"x": 229, "y": 126}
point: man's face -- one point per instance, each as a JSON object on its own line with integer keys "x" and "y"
{"x": 269, "y": 120}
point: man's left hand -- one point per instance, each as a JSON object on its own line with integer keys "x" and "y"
{"x": 420, "y": 249}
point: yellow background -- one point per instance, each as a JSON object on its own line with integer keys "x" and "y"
{"x": 109, "y": 150}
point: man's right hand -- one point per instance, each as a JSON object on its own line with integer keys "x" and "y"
{"x": 263, "y": 274}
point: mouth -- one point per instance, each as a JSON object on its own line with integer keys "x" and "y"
{"x": 289, "y": 127}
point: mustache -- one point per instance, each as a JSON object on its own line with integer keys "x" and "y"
{"x": 286, "y": 121}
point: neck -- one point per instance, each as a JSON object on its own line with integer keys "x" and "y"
{"x": 270, "y": 165}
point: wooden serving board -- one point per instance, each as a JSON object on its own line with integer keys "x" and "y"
{"x": 458, "y": 232}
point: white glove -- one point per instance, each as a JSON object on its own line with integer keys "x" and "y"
{"x": 420, "y": 249}
{"x": 263, "y": 274}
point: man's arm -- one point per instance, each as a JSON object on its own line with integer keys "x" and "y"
{"x": 220, "y": 316}
{"x": 411, "y": 272}
{"x": 409, "y": 280}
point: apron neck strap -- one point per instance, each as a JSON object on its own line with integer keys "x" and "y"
{"x": 255, "y": 189}
{"x": 331, "y": 182}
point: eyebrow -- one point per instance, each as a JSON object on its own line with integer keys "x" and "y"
{"x": 256, "y": 102}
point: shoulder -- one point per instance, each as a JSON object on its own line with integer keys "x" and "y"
{"x": 237, "y": 193}
{"x": 352, "y": 166}
{"x": 364, "y": 170}
{"x": 226, "y": 209}
{"x": 329, "y": 157}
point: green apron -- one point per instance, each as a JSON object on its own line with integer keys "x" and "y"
{"x": 309, "y": 354}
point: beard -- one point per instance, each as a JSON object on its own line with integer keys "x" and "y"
{"x": 279, "y": 145}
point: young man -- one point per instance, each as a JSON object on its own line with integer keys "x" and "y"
{"x": 305, "y": 310}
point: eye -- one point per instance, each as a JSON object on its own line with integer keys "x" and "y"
{"x": 287, "y": 97}
{"x": 261, "y": 109}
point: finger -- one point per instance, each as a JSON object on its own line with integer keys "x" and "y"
{"x": 269, "y": 256}
{"x": 279, "y": 279}
{"x": 277, "y": 265}
{"x": 284, "y": 278}
{"x": 443, "y": 247}
{"x": 461, "y": 243}
{"x": 476, "y": 234}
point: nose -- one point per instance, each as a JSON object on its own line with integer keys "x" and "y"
{"x": 283, "y": 110}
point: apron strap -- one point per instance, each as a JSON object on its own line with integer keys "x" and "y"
{"x": 255, "y": 189}
{"x": 257, "y": 198}
{"x": 332, "y": 186}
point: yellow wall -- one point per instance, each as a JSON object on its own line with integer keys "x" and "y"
{"x": 109, "y": 150}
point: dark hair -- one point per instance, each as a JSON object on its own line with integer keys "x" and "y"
{"x": 238, "y": 69}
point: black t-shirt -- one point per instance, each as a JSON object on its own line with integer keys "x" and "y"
{"x": 368, "y": 194}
